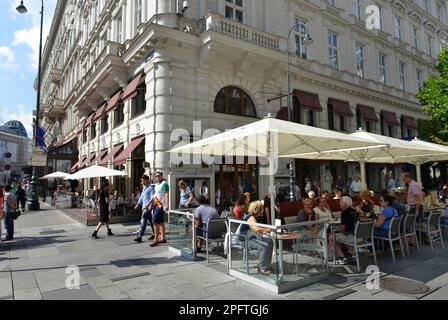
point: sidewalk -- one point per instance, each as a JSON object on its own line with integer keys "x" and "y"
{"x": 33, "y": 267}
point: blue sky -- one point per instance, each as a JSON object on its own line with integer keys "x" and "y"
{"x": 19, "y": 46}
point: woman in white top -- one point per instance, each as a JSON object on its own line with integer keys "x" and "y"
{"x": 322, "y": 209}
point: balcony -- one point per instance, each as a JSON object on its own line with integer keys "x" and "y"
{"x": 234, "y": 29}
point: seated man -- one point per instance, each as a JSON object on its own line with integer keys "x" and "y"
{"x": 397, "y": 203}
{"x": 347, "y": 228}
{"x": 202, "y": 215}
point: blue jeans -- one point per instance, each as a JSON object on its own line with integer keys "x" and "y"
{"x": 147, "y": 216}
{"x": 9, "y": 225}
{"x": 265, "y": 247}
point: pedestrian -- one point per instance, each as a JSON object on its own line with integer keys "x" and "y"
{"x": 9, "y": 207}
{"x": 146, "y": 201}
{"x": 21, "y": 197}
{"x": 2, "y": 211}
{"x": 391, "y": 185}
{"x": 103, "y": 201}
{"x": 161, "y": 205}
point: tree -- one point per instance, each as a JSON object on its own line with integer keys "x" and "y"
{"x": 434, "y": 97}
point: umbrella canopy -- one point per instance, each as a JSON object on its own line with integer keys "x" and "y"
{"x": 290, "y": 139}
{"x": 55, "y": 175}
{"x": 94, "y": 172}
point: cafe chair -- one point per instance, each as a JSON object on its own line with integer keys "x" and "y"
{"x": 363, "y": 238}
{"x": 215, "y": 233}
{"x": 409, "y": 230}
{"x": 432, "y": 227}
{"x": 394, "y": 234}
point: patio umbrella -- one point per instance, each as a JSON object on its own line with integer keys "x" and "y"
{"x": 55, "y": 175}
{"x": 271, "y": 138}
{"x": 94, "y": 172}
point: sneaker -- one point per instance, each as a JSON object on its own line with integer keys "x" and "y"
{"x": 136, "y": 232}
{"x": 138, "y": 240}
{"x": 264, "y": 271}
{"x": 436, "y": 238}
{"x": 151, "y": 238}
{"x": 341, "y": 261}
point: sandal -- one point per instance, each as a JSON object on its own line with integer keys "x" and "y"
{"x": 154, "y": 244}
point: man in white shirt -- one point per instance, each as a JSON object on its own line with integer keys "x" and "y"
{"x": 356, "y": 185}
{"x": 161, "y": 192}
{"x": 391, "y": 185}
{"x": 297, "y": 194}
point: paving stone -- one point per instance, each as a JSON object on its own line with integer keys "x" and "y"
{"x": 5, "y": 286}
{"x": 419, "y": 273}
{"x": 99, "y": 282}
{"x": 440, "y": 294}
{"x": 111, "y": 293}
{"x": 339, "y": 294}
{"x": 52, "y": 280}
{"x": 24, "y": 281}
{"x": 85, "y": 292}
{"x": 192, "y": 292}
{"x": 27, "y": 294}
{"x": 90, "y": 273}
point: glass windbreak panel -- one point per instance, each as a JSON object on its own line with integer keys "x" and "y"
{"x": 180, "y": 229}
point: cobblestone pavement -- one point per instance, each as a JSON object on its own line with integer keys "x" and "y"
{"x": 33, "y": 266}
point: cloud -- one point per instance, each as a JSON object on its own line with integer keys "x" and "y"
{"x": 7, "y": 58}
{"x": 20, "y": 113}
{"x": 29, "y": 36}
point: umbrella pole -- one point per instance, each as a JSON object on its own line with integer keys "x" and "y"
{"x": 362, "y": 166}
{"x": 418, "y": 167}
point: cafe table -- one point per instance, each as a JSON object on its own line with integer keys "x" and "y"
{"x": 281, "y": 236}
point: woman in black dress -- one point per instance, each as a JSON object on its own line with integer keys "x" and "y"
{"x": 103, "y": 201}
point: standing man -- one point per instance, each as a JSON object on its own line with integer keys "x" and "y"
{"x": 356, "y": 185}
{"x": 391, "y": 185}
{"x": 297, "y": 193}
{"x": 9, "y": 208}
{"x": 146, "y": 201}
{"x": 414, "y": 195}
{"x": 161, "y": 205}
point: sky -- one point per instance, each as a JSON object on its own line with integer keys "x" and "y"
{"x": 19, "y": 55}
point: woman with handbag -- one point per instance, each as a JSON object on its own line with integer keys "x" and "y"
{"x": 103, "y": 201}
{"x": 9, "y": 208}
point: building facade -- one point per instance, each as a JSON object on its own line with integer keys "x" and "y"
{"x": 15, "y": 152}
{"x": 123, "y": 75}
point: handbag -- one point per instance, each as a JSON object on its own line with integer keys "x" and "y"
{"x": 16, "y": 214}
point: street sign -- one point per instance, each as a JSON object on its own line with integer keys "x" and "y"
{"x": 39, "y": 158}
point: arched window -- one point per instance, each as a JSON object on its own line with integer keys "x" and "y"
{"x": 234, "y": 101}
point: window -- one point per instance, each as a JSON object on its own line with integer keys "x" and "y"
{"x": 330, "y": 116}
{"x": 331, "y": 2}
{"x": 84, "y": 136}
{"x": 310, "y": 118}
{"x": 391, "y": 131}
{"x": 430, "y": 46}
{"x": 427, "y": 7}
{"x": 382, "y": 64}
{"x": 234, "y": 101}
{"x": 415, "y": 37}
{"x": 235, "y": 10}
{"x": 359, "y": 60}
{"x": 440, "y": 13}
{"x": 368, "y": 126}
{"x": 119, "y": 27}
{"x": 380, "y": 8}
{"x": 333, "y": 50}
{"x": 419, "y": 79}
{"x": 139, "y": 12}
{"x": 119, "y": 114}
{"x": 104, "y": 124}
{"x": 301, "y": 34}
{"x": 93, "y": 131}
{"x": 138, "y": 104}
{"x": 357, "y": 9}
{"x": 342, "y": 123}
{"x": 402, "y": 74}
{"x": 398, "y": 27}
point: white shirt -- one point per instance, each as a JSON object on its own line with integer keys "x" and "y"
{"x": 160, "y": 190}
{"x": 326, "y": 214}
{"x": 356, "y": 186}
{"x": 391, "y": 185}
{"x": 297, "y": 192}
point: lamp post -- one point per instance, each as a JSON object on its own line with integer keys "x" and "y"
{"x": 307, "y": 41}
{"x": 33, "y": 194}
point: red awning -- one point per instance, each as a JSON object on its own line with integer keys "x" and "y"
{"x": 282, "y": 114}
{"x": 121, "y": 159}
{"x": 101, "y": 155}
{"x": 99, "y": 113}
{"x": 308, "y": 100}
{"x": 75, "y": 167}
{"x": 89, "y": 120}
{"x": 341, "y": 108}
{"x": 410, "y": 122}
{"x": 368, "y": 113}
{"x": 81, "y": 127}
{"x": 92, "y": 158}
{"x": 111, "y": 155}
{"x": 131, "y": 90}
{"x": 390, "y": 118}
{"x": 113, "y": 102}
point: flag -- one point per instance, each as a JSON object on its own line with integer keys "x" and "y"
{"x": 45, "y": 138}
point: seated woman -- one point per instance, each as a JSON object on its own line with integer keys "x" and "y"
{"x": 384, "y": 219}
{"x": 368, "y": 205}
{"x": 306, "y": 215}
{"x": 357, "y": 205}
{"x": 322, "y": 210}
{"x": 263, "y": 245}
{"x": 240, "y": 208}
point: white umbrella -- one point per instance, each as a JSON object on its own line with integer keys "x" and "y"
{"x": 55, "y": 175}
{"x": 270, "y": 138}
{"x": 94, "y": 172}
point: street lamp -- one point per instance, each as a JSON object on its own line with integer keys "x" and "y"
{"x": 33, "y": 194}
{"x": 306, "y": 42}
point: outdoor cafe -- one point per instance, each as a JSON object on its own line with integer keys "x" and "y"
{"x": 285, "y": 254}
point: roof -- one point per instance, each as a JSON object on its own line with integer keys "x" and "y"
{"x": 14, "y": 127}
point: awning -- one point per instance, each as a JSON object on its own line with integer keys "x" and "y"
{"x": 92, "y": 158}
{"x": 111, "y": 155}
{"x": 282, "y": 114}
{"x": 113, "y": 102}
{"x": 99, "y": 113}
{"x": 308, "y": 100}
{"x": 390, "y": 118}
{"x": 75, "y": 167}
{"x": 89, "y": 120}
{"x": 81, "y": 127}
{"x": 101, "y": 155}
{"x": 367, "y": 113}
{"x": 341, "y": 108}
{"x": 409, "y": 122}
{"x": 131, "y": 90}
{"x": 121, "y": 159}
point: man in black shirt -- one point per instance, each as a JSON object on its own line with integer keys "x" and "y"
{"x": 347, "y": 228}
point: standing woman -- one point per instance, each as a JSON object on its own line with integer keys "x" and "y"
{"x": 186, "y": 196}
{"x": 103, "y": 201}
